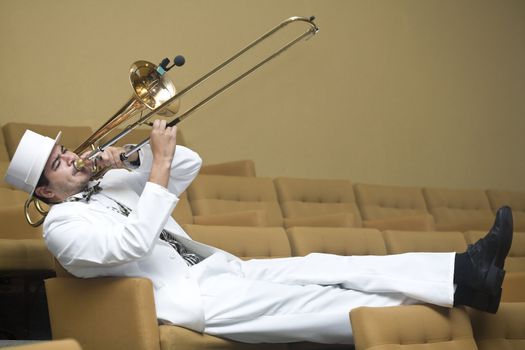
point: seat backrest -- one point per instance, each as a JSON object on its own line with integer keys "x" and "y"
{"x": 503, "y": 330}
{"x": 182, "y": 212}
{"x": 514, "y": 199}
{"x": 72, "y": 136}
{"x": 419, "y": 241}
{"x": 138, "y": 135}
{"x": 219, "y": 194}
{"x": 4, "y": 156}
{"x": 335, "y": 240}
{"x": 313, "y": 197}
{"x": 244, "y": 242}
{"x": 235, "y": 168}
{"x": 412, "y": 327}
{"x": 393, "y": 207}
{"x": 459, "y": 209}
{"x": 515, "y": 261}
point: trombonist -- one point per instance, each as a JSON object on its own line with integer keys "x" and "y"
{"x": 122, "y": 226}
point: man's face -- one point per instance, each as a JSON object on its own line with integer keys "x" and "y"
{"x": 64, "y": 179}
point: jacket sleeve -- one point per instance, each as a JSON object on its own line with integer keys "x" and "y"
{"x": 79, "y": 236}
{"x": 184, "y": 168}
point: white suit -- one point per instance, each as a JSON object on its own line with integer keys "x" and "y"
{"x": 274, "y": 300}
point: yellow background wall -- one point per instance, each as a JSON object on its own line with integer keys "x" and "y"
{"x": 406, "y": 92}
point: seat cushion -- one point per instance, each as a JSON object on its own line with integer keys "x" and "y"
{"x": 335, "y": 240}
{"x": 412, "y": 327}
{"x": 244, "y": 242}
{"x": 503, "y": 330}
{"x": 173, "y": 337}
{"x": 413, "y": 241}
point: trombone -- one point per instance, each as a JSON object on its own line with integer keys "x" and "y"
{"x": 154, "y": 94}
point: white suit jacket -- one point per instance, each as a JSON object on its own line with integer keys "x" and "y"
{"x": 91, "y": 241}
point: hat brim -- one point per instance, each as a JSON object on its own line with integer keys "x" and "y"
{"x": 41, "y": 170}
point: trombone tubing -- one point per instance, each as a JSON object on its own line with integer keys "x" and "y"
{"x": 312, "y": 31}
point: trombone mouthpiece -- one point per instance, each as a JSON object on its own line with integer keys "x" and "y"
{"x": 79, "y": 164}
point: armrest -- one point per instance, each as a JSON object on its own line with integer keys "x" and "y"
{"x": 389, "y": 327}
{"x": 64, "y": 344}
{"x": 104, "y": 313}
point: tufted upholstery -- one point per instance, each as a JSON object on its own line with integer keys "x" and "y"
{"x": 64, "y": 344}
{"x": 459, "y": 210}
{"x": 244, "y": 242}
{"x": 218, "y": 194}
{"x": 335, "y": 240}
{"x": 186, "y": 339}
{"x": 393, "y": 207}
{"x": 515, "y": 261}
{"x": 413, "y": 241}
{"x": 502, "y": 331}
{"x": 182, "y": 212}
{"x": 4, "y": 156}
{"x": 316, "y": 197}
{"x": 234, "y": 168}
{"x": 137, "y": 135}
{"x": 412, "y": 327}
{"x": 516, "y": 200}
{"x": 71, "y": 135}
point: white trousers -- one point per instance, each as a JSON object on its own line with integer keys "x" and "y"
{"x": 309, "y": 298}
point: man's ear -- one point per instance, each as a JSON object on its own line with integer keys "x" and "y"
{"x": 44, "y": 192}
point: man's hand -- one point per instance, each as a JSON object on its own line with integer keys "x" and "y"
{"x": 163, "y": 141}
{"x": 109, "y": 158}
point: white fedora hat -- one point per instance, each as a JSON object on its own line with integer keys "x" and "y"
{"x": 29, "y": 161}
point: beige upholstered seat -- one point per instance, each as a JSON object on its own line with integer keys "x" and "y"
{"x": 65, "y": 344}
{"x": 182, "y": 212}
{"x": 71, "y": 135}
{"x": 335, "y": 240}
{"x": 316, "y": 202}
{"x": 412, "y": 327}
{"x": 233, "y": 168}
{"x": 516, "y": 200}
{"x": 244, "y": 242}
{"x": 218, "y": 195}
{"x": 420, "y": 241}
{"x": 393, "y": 207}
{"x": 459, "y": 210}
{"x": 180, "y": 338}
{"x": 504, "y": 330}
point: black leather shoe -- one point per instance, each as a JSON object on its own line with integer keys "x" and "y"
{"x": 477, "y": 300}
{"x": 488, "y": 255}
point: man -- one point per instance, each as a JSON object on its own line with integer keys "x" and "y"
{"x": 122, "y": 227}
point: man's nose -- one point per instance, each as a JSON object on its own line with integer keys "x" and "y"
{"x": 69, "y": 158}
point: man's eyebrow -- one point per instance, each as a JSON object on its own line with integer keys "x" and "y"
{"x": 56, "y": 162}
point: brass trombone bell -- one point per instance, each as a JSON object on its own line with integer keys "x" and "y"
{"x": 151, "y": 88}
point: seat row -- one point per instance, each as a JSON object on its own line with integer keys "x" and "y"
{"x": 128, "y": 302}
{"x": 288, "y": 202}
{"x": 229, "y": 207}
